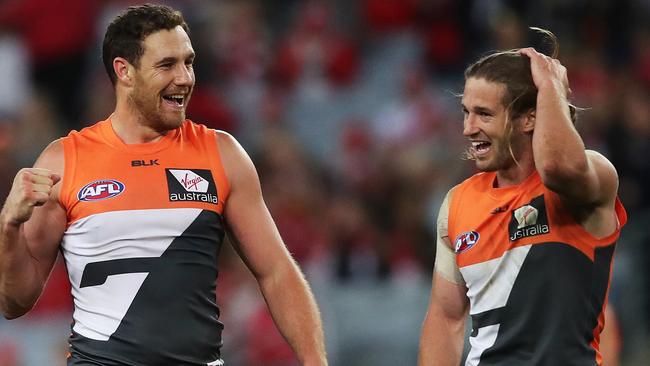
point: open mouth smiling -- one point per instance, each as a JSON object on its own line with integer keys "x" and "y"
{"x": 481, "y": 147}
{"x": 177, "y": 100}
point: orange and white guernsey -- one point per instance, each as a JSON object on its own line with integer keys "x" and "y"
{"x": 536, "y": 280}
{"x": 144, "y": 231}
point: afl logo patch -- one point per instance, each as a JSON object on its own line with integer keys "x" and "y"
{"x": 465, "y": 241}
{"x": 100, "y": 190}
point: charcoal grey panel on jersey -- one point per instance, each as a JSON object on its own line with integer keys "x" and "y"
{"x": 174, "y": 318}
{"x": 558, "y": 294}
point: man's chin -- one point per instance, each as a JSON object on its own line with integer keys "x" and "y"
{"x": 174, "y": 122}
{"x": 485, "y": 166}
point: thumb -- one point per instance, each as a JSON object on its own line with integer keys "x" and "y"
{"x": 56, "y": 178}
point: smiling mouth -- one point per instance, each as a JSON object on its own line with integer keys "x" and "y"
{"x": 176, "y": 100}
{"x": 480, "y": 148}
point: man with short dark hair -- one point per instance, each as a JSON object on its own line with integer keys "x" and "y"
{"x": 139, "y": 205}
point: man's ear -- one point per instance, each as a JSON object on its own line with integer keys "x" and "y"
{"x": 528, "y": 123}
{"x": 124, "y": 71}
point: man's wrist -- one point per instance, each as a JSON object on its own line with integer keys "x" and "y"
{"x": 553, "y": 87}
{"x": 7, "y": 225}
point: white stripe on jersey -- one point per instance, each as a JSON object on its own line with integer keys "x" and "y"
{"x": 489, "y": 283}
{"x": 109, "y": 236}
{"x": 484, "y": 339}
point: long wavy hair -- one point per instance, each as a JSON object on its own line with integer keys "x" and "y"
{"x": 512, "y": 69}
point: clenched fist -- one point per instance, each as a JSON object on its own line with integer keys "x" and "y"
{"x": 32, "y": 187}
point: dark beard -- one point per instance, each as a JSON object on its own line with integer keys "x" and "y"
{"x": 150, "y": 115}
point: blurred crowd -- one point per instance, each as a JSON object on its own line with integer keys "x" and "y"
{"x": 350, "y": 111}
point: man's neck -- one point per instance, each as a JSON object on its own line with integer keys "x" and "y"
{"x": 519, "y": 170}
{"x": 132, "y": 128}
{"x": 514, "y": 175}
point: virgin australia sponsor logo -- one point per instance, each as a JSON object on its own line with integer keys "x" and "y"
{"x": 529, "y": 220}
{"x": 191, "y": 185}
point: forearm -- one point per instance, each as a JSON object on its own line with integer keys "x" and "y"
{"x": 296, "y": 314}
{"x": 558, "y": 149}
{"x": 441, "y": 342}
{"x": 20, "y": 283}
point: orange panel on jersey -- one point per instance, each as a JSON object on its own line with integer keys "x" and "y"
{"x": 181, "y": 170}
{"x": 485, "y": 222}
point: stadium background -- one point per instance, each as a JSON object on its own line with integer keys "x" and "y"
{"x": 349, "y": 111}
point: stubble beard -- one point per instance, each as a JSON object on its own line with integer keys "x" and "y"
{"x": 500, "y": 158}
{"x": 149, "y": 111}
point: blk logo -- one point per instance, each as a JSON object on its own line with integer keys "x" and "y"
{"x": 100, "y": 190}
{"x": 150, "y": 162}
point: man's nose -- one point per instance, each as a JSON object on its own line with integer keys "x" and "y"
{"x": 184, "y": 76}
{"x": 469, "y": 125}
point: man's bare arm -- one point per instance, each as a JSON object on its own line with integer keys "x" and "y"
{"x": 441, "y": 341}
{"x": 32, "y": 223}
{"x": 585, "y": 180}
{"x": 581, "y": 177}
{"x": 258, "y": 242}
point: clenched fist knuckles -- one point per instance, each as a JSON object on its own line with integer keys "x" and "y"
{"x": 31, "y": 187}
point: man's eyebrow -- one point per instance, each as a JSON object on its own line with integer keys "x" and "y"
{"x": 482, "y": 110}
{"x": 172, "y": 59}
{"x": 166, "y": 60}
{"x": 476, "y": 109}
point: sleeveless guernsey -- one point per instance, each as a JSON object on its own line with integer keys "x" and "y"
{"x": 144, "y": 231}
{"x": 537, "y": 282}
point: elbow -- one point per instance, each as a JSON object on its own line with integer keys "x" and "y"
{"x": 12, "y": 310}
{"x": 13, "y": 313}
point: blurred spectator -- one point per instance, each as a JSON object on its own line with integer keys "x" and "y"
{"x": 354, "y": 241}
{"x": 55, "y": 301}
{"x": 416, "y": 117}
{"x": 209, "y": 108}
{"x": 39, "y": 114}
{"x": 238, "y": 44}
{"x": 8, "y": 167}
{"x": 294, "y": 194}
{"x": 58, "y": 35}
{"x": 314, "y": 51}
{"x": 8, "y": 353}
{"x": 268, "y": 346}
{"x": 386, "y": 16}
{"x": 15, "y": 72}
{"x": 611, "y": 342}
{"x": 444, "y": 35}
{"x": 629, "y": 141}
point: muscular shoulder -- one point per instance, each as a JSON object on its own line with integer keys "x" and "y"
{"x": 236, "y": 163}
{"x": 602, "y": 163}
{"x": 52, "y": 157}
{"x": 607, "y": 178}
{"x": 597, "y": 212}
